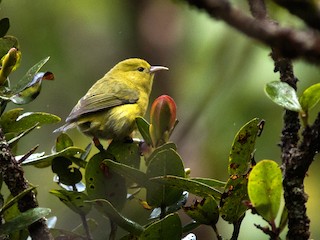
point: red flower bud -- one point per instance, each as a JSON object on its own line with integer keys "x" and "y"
{"x": 162, "y": 119}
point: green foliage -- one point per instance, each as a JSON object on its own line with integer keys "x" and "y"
{"x": 103, "y": 183}
{"x": 166, "y": 228}
{"x": 14, "y": 200}
{"x": 23, "y": 220}
{"x": 204, "y": 212}
{"x": 166, "y": 162}
{"x": 15, "y": 125}
{"x": 193, "y": 186}
{"x": 232, "y": 200}
{"x": 4, "y": 26}
{"x": 310, "y": 97}
{"x": 153, "y": 165}
{"x": 265, "y": 189}
{"x": 76, "y": 201}
{"x": 109, "y": 210}
{"x": 243, "y": 147}
{"x": 143, "y": 127}
{"x": 283, "y": 95}
{"x": 13, "y": 121}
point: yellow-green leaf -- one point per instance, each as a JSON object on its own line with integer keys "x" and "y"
{"x": 265, "y": 188}
{"x": 310, "y": 97}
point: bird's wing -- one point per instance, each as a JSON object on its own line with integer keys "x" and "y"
{"x": 101, "y": 99}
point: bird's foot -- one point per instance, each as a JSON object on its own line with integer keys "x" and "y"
{"x": 98, "y": 145}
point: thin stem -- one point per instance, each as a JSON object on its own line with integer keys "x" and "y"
{"x": 236, "y": 228}
{"x": 215, "y": 229}
{"x": 163, "y": 211}
{"x": 113, "y": 232}
{"x": 86, "y": 227}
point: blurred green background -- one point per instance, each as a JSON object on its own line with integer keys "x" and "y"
{"x": 216, "y": 77}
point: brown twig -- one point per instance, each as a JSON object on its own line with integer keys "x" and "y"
{"x": 307, "y": 10}
{"x": 291, "y": 43}
{"x": 13, "y": 176}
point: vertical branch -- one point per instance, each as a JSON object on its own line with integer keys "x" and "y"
{"x": 293, "y": 156}
{"x": 13, "y": 176}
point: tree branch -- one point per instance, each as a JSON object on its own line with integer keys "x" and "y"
{"x": 295, "y": 160}
{"x": 13, "y": 176}
{"x": 291, "y": 43}
{"x": 307, "y": 10}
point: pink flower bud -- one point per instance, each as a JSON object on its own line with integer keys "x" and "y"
{"x": 162, "y": 119}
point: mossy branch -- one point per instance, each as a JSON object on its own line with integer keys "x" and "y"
{"x": 13, "y": 176}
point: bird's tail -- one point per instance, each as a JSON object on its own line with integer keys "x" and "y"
{"x": 65, "y": 127}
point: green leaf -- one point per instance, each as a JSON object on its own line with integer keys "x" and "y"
{"x": 284, "y": 95}
{"x": 125, "y": 153}
{"x": 104, "y": 183}
{"x": 242, "y": 148}
{"x": 15, "y": 139}
{"x": 167, "y": 228}
{"x": 67, "y": 174}
{"x": 210, "y": 182}
{"x": 143, "y": 127}
{"x": 76, "y": 201}
{"x": 4, "y": 26}
{"x": 14, "y": 121}
{"x": 166, "y": 146}
{"x": 45, "y": 161}
{"x": 63, "y": 141}
{"x": 107, "y": 208}
{"x": 6, "y": 43}
{"x": 310, "y": 97}
{"x": 232, "y": 205}
{"x": 128, "y": 172}
{"x": 196, "y": 187}
{"x": 204, "y": 212}
{"x": 166, "y": 162}
{"x": 29, "y": 76}
{"x": 265, "y": 189}
{"x": 15, "y": 199}
{"x": 29, "y": 92}
{"x": 24, "y": 219}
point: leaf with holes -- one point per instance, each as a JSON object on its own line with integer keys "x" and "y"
{"x": 104, "y": 183}
{"x": 76, "y": 201}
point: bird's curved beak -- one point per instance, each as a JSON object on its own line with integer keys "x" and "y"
{"x": 157, "y": 68}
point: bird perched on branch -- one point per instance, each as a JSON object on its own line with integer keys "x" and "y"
{"x": 109, "y": 109}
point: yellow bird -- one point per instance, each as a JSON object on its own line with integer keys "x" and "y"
{"x": 109, "y": 109}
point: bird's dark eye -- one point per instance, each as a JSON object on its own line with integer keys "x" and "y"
{"x": 140, "y": 69}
